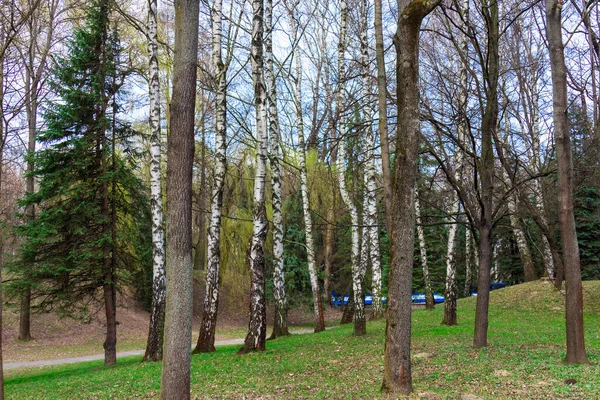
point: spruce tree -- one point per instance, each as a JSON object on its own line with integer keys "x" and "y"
{"x": 85, "y": 236}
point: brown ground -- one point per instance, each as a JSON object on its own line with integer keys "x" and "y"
{"x": 55, "y": 337}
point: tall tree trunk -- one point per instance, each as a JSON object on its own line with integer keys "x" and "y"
{"x": 576, "y": 353}
{"x": 397, "y": 377}
{"x": 2, "y": 143}
{"x": 108, "y": 248}
{"x": 175, "y": 379}
{"x": 370, "y": 209}
{"x": 31, "y": 109}
{"x": 206, "y": 337}
{"x": 154, "y": 345}
{"x": 109, "y": 285}
{"x": 486, "y": 171}
{"x": 257, "y": 327}
{"x": 1, "y": 297}
{"x": 451, "y": 291}
{"x": 310, "y": 247}
{"x": 280, "y": 327}
{"x": 37, "y": 53}
{"x": 359, "y": 315}
{"x": 382, "y": 110}
{"x": 330, "y": 228}
{"x": 429, "y": 300}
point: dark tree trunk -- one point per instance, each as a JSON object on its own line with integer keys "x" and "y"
{"x": 175, "y": 380}
{"x": 397, "y": 377}
{"x": 2, "y": 141}
{"x": 382, "y": 123}
{"x": 110, "y": 343}
{"x": 449, "y": 306}
{"x": 348, "y": 312}
{"x": 483, "y": 284}
{"x": 31, "y": 108}
{"x": 576, "y": 353}
{"x": 110, "y": 308}
{"x": 486, "y": 172}
{"x": 25, "y": 316}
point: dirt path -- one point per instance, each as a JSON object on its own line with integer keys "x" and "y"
{"x": 62, "y": 361}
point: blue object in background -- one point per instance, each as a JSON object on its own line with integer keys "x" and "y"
{"x": 338, "y": 300}
{"x": 419, "y": 298}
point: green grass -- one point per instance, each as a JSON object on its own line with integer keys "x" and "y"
{"x": 523, "y": 360}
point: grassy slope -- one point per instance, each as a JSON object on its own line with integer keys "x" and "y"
{"x": 523, "y": 360}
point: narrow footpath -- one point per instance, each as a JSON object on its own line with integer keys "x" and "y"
{"x": 61, "y": 361}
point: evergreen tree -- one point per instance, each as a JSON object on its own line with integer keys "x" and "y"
{"x": 85, "y": 236}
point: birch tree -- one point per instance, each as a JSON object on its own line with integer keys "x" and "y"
{"x": 294, "y": 19}
{"x": 468, "y": 262}
{"x": 450, "y": 293}
{"x": 175, "y": 379}
{"x": 206, "y": 337}
{"x": 157, "y": 313}
{"x": 280, "y": 327}
{"x": 429, "y": 300}
{"x": 371, "y": 238}
{"x": 515, "y": 223}
{"x": 526, "y": 57}
{"x": 357, "y": 274}
{"x": 257, "y": 327}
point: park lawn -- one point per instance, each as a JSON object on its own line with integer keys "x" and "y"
{"x": 523, "y": 360}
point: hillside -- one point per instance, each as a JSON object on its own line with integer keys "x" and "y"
{"x": 523, "y": 360}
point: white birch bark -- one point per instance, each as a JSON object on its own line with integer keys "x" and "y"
{"x": 529, "y": 107}
{"x": 206, "y": 337}
{"x": 495, "y": 266}
{"x": 280, "y": 327}
{"x": 429, "y": 301}
{"x": 468, "y": 263}
{"x": 310, "y": 247}
{"x": 255, "y": 339}
{"x": 450, "y": 292}
{"x": 359, "y": 320}
{"x": 521, "y": 239}
{"x": 157, "y": 314}
{"x": 370, "y": 208}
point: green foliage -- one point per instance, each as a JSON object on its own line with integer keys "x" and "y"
{"x": 587, "y": 219}
{"x": 295, "y": 263}
{"x": 89, "y": 204}
{"x": 587, "y": 192}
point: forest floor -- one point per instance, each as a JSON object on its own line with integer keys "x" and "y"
{"x": 523, "y": 360}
